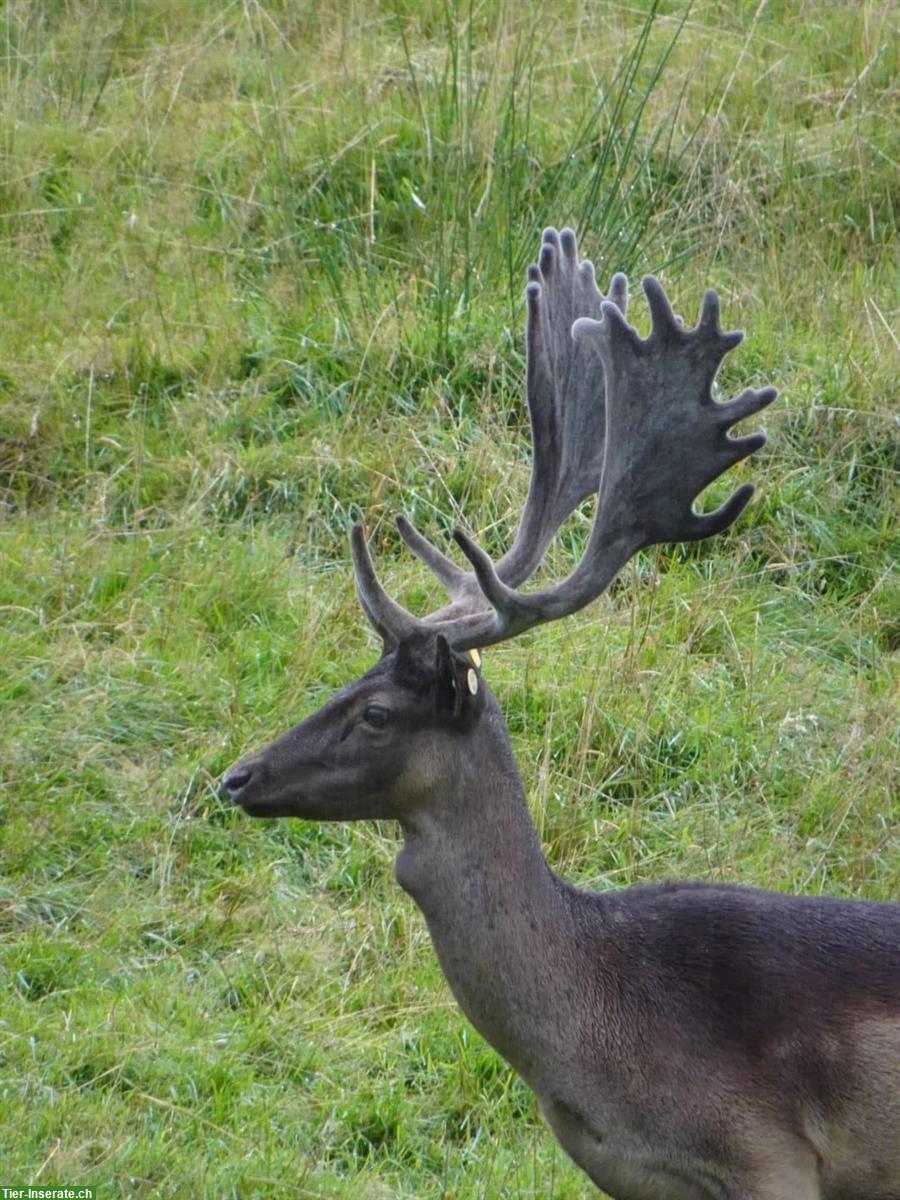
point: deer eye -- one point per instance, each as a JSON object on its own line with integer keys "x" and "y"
{"x": 376, "y": 715}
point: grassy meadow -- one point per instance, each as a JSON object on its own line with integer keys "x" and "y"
{"x": 262, "y": 274}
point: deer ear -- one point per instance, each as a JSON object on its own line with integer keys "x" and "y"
{"x": 448, "y": 698}
{"x": 457, "y": 690}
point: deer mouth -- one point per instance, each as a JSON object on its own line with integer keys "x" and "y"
{"x": 264, "y": 808}
{"x": 267, "y": 806}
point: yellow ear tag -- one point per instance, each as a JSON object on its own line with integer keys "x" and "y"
{"x": 472, "y": 681}
{"x": 475, "y": 657}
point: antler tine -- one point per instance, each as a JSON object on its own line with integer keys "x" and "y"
{"x": 450, "y": 575}
{"x": 466, "y": 596}
{"x": 389, "y": 620}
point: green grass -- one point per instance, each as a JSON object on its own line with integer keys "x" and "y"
{"x": 262, "y": 273}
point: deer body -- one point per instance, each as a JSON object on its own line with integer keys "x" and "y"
{"x": 666, "y": 1030}
{"x": 685, "y": 1041}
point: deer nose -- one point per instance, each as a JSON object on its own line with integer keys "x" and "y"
{"x": 236, "y": 780}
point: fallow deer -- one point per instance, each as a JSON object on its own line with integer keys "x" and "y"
{"x": 686, "y": 1041}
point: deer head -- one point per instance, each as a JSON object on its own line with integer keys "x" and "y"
{"x": 380, "y": 748}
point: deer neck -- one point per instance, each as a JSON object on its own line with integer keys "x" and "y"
{"x": 496, "y": 913}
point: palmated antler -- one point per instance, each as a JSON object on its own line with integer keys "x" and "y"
{"x": 564, "y": 391}
{"x": 654, "y": 445}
